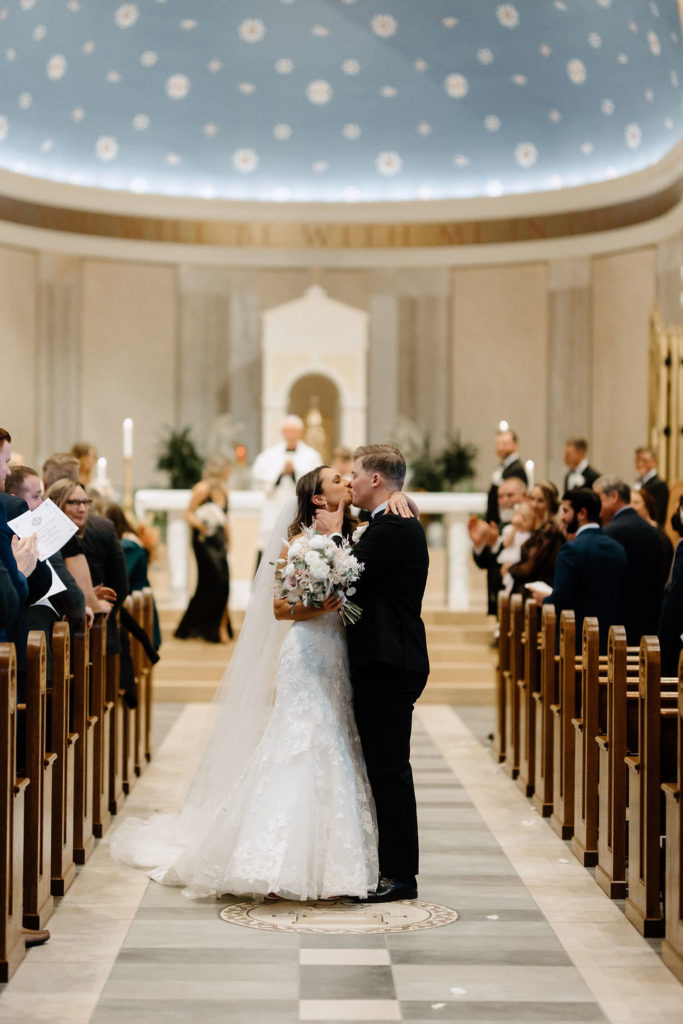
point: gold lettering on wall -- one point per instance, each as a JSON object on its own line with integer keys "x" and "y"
{"x": 332, "y": 235}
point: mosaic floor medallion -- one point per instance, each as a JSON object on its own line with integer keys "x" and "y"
{"x": 342, "y": 916}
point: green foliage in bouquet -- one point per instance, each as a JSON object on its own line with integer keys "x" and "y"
{"x": 440, "y": 472}
{"x": 178, "y": 455}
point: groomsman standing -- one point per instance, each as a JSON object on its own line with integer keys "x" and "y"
{"x": 648, "y": 480}
{"x": 579, "y": 472}
{"x": 507, "y": 450}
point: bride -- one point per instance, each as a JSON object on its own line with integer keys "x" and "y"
{"x": 280, "y": 803}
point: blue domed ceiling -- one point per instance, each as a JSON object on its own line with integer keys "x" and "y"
{"x": 334, "y": 100}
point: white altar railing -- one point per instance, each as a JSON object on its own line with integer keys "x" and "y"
{"x": 455, "y": 507}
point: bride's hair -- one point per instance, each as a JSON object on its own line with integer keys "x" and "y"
{"x": 306, "y": 488}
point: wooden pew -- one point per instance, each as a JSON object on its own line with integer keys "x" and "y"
{"x": 584, "y": 842}
{"x": 148, "y": 619}
{"x": 512, "y": 675}
{"x": 83, "y": 723}
{"x": 38, "y": 899}
{"x": 115, "y": 699}
{"x": 672, "y": 946}
{"x": 101, "y": 708}
{"x": 562, "y": 817}
{"x": 12, "y": 797}
{"x": 613, "y": 746}
{"x": 501, "y": 673}
{"x": 63, "y": 742}
{"x": 528, "y": 687}
{"x": 544, "y": 699}
{"x": 140, "y": 665}
{"x": 654, "y": 763}
{"x": 128, "y": 775}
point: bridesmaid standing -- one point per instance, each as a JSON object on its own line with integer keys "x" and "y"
{"x": 207, "y": 616}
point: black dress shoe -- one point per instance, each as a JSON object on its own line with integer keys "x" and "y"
{"x": 390, "y": 889}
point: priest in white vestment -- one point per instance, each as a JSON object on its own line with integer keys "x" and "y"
{"x": 277, "y": 469}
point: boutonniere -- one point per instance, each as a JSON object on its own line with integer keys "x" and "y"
{"x": 358, "y": 532}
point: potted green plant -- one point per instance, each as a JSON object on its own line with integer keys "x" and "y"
{"x": 178, "y": 455}
{"x": 456, "y": 461}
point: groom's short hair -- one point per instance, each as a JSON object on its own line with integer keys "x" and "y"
{"x": 383, "y": 459}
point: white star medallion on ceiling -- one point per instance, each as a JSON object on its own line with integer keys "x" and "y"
{"x": 338, "y": 100}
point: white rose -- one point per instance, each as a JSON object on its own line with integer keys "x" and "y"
{"x": 320, "y": 570}
{"x": 318, "y": 543}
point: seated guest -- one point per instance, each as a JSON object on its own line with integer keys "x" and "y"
{"x": 538, "y": 555}
{"x": 579, "y": 473}
{"x": 99, "y": 544}
{"x": 648, "y": 480}
{"x": 590, "y": 569}
{"x": 644, "y": 504}
{"x": 30, "y": 578}
{"x": 87, "y": 460}
{"x": 71, "y": 498}
{"x": 643, "y": 585}
{"x": 136, "y": 555}
{"x": 24, "y": 483}
{"x": 486, "y": 541}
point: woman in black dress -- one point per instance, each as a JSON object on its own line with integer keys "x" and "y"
{"x": 207, "y": 613}
{"x": 539, "y": 552}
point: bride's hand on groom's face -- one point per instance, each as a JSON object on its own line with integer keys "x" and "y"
{"x": 330, "y": 522}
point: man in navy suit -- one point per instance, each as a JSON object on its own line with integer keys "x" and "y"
{"x": 640, "y": 541}
{"x": 590, "y": 570}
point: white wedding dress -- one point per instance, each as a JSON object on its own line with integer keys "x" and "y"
{"x": 298, "y": 818}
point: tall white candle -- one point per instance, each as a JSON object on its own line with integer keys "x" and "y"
{"x": 503, "y": 426}
{"x": 128, "y": 438}
{"x": 529, "y": 466}
{"x": 101, "y": 469}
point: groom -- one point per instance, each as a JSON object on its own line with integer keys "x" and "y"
{"x": 388, "y": 658}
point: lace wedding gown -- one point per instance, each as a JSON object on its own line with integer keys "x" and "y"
{"x": 299, "y": 820}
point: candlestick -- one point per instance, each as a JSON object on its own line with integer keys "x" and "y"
{"x": 128, "y": 438}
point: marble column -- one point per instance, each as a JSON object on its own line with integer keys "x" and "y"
{"x": 569, "y": 360}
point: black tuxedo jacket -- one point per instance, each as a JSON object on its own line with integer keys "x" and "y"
{"x": 659, "y": 490}
{"x": 40, "y": 580}
{"x": 589, "y": 578}
{"x": 514, "y": 469}
{"x": 643, "y": 586}
{"x": 589, "y": 475}
{"x": 671, "y": 619}
{"x": 395, "y": 559}
{"x": 107, "y": 565}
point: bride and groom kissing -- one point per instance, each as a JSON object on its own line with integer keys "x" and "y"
{"x": 311, "y": 796}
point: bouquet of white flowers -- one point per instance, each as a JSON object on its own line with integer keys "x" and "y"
{"x": 316, "y": 568}
{"x": 212, "y": 516}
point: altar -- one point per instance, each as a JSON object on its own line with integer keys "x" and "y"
{"x": 244, "y": 516}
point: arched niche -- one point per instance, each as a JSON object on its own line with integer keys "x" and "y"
{"x": 315, "y": 392}
{"x": 315, "y": 337}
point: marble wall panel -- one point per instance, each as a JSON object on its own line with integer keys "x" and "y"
{"x": 129, "y": 332}
{"x": 499, "y": 366}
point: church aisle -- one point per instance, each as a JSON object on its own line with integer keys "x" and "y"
{"x": 536, "y": 939}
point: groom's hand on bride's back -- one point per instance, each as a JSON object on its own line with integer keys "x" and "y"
{"x": 330, "y": 522}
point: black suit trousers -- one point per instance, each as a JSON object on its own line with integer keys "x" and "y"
{"x": 383, "y": 698}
